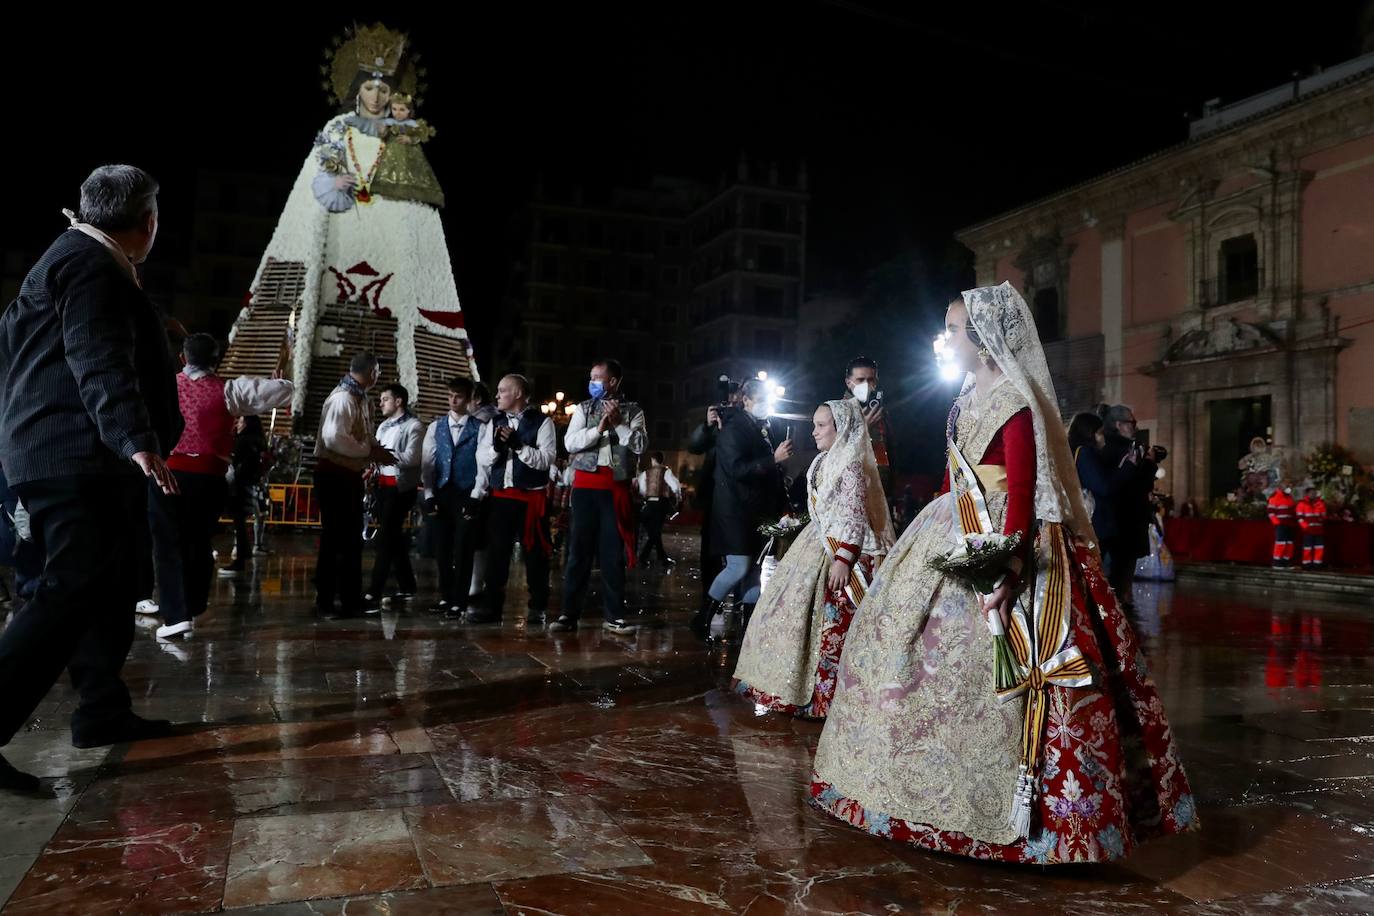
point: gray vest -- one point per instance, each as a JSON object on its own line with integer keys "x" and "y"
{"x": 624, "y": 462}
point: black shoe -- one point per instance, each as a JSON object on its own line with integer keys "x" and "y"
{"x": 12, "y": 780}
{"x": 454, "y": 612}
{"x": 700, "y": 623}
{"x": 371, "y": 605}
{"x": 564, "y": 624}
{"x": 484, "y": 615}
{"x": 121, "y": 730}
{"x": 438, "y": 607}
{"x": 620, "y": 626}
{"x": 534, "y": 618}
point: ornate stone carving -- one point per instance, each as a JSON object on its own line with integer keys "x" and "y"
{"x": 1224, "y": 338}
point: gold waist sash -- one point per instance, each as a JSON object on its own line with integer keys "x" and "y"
{"x": 993, "y": 477}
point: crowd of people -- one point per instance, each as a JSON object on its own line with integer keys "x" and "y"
{"x": 115, "y": 453}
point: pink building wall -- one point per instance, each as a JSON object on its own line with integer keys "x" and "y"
{"x": 1085, "y": 284}
{"x": 1156, "y": 288}
{"x": 1338, "y": 238}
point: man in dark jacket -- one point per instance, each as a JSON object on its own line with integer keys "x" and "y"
{"x": 749, "y": 491}
{"x": 88, "y": 400}
{"x": 1131, "y": 539}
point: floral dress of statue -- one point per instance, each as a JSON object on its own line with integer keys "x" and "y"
{"x": 362, "y": 214}
{"x": 791, "y": 651}
{"x": 1072, "y": 761}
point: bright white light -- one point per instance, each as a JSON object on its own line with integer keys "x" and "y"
{"x": 544, "y": 408}
{"x": 569, "y": 409}
{"x": 950, "y": 372}
{"x": 780, "y": 391}
{"x": 558, "y": 396}
{"x": 763, "y": 376}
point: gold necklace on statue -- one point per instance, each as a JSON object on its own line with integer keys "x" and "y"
{"x": 362, "y": 193}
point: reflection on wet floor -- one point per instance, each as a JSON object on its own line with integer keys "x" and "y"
{"x": 408, "y": 764}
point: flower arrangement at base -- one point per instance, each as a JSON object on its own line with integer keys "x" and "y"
{"x": 981, "y": 561}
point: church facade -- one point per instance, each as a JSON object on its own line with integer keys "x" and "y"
{"x": 1223, "y": 288}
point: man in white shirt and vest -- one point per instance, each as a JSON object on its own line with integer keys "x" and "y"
{"x": 455, "y": 485}
{"x": 403, "y": 434}
{"x": 517, "y": 448}
{"x": 605, "y": 437}
{"x": 344, "y": 449}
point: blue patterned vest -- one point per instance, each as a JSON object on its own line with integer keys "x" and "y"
{"x": 455, "y": 463}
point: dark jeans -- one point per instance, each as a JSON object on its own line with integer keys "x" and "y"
{"x": 653, "y": 517}
{"x": 454, "y": 542}
{"x": 242, "y": 503}
{"x": 1120, "y": 562}
{"x": 339, "y": 569}
{"x": 183, "y": 529}
{"x": 505, "y": 526}
{"x": 393, "y": 541}
{"x": 594, "y": 534}
{"x": 81, "y": 617}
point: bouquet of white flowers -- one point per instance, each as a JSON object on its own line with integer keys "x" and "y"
{"x": 982, "y": 560}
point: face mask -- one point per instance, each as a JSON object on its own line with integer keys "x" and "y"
{"x": 596, "y": 389}
{"x": 759, "y": 410}
{"x": 861, "y": 391}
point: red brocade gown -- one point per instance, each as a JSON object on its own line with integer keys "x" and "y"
{"x": 917, "y": 746}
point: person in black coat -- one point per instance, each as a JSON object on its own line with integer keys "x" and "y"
{"x": 88, "y": 407}
{"x": 749, "y": 491}
{"x": 1102, "y": 482}
{"x": 703, "y": 442}
{"x": 1131, "y": 505}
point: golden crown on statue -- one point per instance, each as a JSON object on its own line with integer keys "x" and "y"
{"x": 373, "y": 50}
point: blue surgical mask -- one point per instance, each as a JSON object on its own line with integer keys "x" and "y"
{"x": 596, "y": 389}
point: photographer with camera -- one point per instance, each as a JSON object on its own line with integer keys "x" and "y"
{"x": 703, "y": 442}
{"x": 748, "y": 492}
{"x": 861, "y": 383}
{"x": 1131, "y": 541}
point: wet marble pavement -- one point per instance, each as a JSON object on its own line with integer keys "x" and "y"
{"x": 407, "y": 765}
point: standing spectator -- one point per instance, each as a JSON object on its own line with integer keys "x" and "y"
{"x": 703, "y": 442}
{"x": 403, "y": 434}
{"x": 455, "y": 484}
{"x": 87, "y": 402}
{"x": 605, "y": 438}
{"x": 861, "y": 384}
{"x": 1311, "y": 512}
{"x": 749, "y": 492}
{"x": 1102, "y": 483}
{"x": 1131, "y": 503}
{"x": 245, "y": 490}
{"x": 183, "y": 527}
{"x": 345, "y": 447}
{"x": 660, "y": 489}
{"x": 483, "y": 409}
{"x": 517, "y": 448}
{"x": 1283, "y": 516}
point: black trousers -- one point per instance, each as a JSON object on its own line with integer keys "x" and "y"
{"x": 198, "y": 515}
{"x": 339, "y": 568}
{"x": 91, "y": 530}
{"x": 455, "y": 539}
{"x": 506, "y": 526}
{"x": 654, "y": 515}
{"x": 594, "y": 536}
{"x": 393, "y": 541}
{"x": 1120, "y": 562}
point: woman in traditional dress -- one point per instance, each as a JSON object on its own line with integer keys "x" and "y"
{"x": 1073, "y": 761}
{"x": 792, "y": 648}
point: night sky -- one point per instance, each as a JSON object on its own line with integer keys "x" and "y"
{"x": 914, "y": 119}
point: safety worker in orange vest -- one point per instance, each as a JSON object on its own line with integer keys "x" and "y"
{"x": 1283, "y": 516}
{"x": 1311, "y": 512}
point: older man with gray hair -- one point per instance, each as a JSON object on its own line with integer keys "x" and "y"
{"x": 88, "y": 400}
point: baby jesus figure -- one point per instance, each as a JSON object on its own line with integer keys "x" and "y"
{"x": 404, "y": 172}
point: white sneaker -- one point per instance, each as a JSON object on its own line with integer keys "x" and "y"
{"x": 174, "y": 650}
{"x": 619, "y": 627}
{"x": 146, "y": 606}
{"x": 167, "y": 631}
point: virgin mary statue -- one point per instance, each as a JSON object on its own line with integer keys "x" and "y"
{"x": 359, "y": 253}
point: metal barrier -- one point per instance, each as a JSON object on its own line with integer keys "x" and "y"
{"x": 292, "y": 504}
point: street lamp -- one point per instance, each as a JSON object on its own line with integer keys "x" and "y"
{"x": 557, "y": 409}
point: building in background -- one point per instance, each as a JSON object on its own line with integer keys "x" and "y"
{"x": 682, "y": 281}
{"x": 1224, "y": 288}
